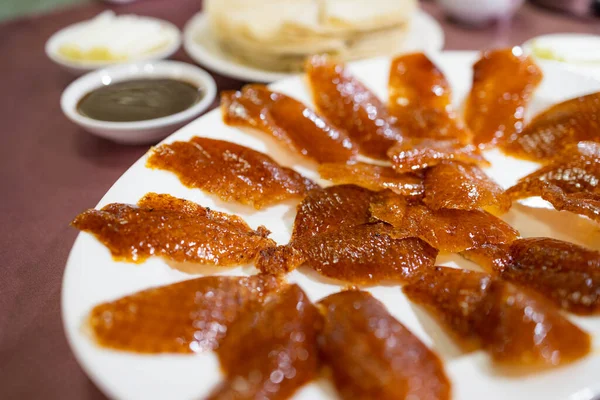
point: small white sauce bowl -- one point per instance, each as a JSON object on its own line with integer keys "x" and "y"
{"x": 138, "y": 132}
{"x": 77, "y": 67}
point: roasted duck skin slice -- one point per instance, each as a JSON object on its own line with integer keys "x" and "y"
{"x": 464, "y": 187}
{"x": 174, "y": 229}
{"x": 413, "y": 155}
{"x": 373, "y": 356}
{"x": 560, "y": 126}
{"x": 186, "y": 317}
{"x": 575, "y": 170}
{"x": 332, "y": 208}
{"x": 271, "y": 351}
{"x": 515, "y": 326}
{"x": 365, "y": 254}
{"x": 504, "y": 81}
{"x": 447, "y": 230}
{"x": 350, "y": 106}
{"x": 420, "y": 100}
{"x": 301, "y": 129}
{"x": 565, "y": 273}
{"x": 230, "y": 171}
{"x": 373, "y": 177}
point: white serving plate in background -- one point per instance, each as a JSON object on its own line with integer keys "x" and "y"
{"x": 425, "y": 34}
{"x": 92, "y": 277}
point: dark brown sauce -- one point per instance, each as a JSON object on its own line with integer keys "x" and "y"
{"x": 139, "y": 100}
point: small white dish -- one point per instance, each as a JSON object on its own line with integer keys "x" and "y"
{"x": 478, "y": 12}
{"x": 577, "y": 52}
{"x": 425, "y": 34}
{"x": 61, "y": 37}
{"x": 138, "y": 132}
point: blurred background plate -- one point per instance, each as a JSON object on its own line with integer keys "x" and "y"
{"x": 425, "y": 34}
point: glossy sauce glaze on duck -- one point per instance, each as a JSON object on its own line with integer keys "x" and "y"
{"x": 365, "y": 254}
{"x": 373, "y": 356}
{"x": 373, "y": 177}
{"x": 288, "y": 120}
{"x": 186, "y": 317}
{"x": 515, "y": 326}
{"x": 334, "y": 235}
{"x": 416, "y": 154}
{"x": 420, "y": 99}
{"x": 323, "y": 210}
{"x": 558, "y": 127}
{"x": 464, "y": 187}
{"x": 504, "y": 81}
{"x": 587, "y": 204}
{"x": 269, "y": 352}
{"x": 575, "y": 170}
{"x": 570, "y": 182}
{"x": 230, "y": 171}
{"x": 175, "y": 229}
{"x": 332, "y": 208}
{"x": 565, "y": 273}
{"x": 350, "y": 106}
{"x": 449, "y": 230}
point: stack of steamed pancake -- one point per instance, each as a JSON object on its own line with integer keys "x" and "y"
{"x": 279, "y": 35}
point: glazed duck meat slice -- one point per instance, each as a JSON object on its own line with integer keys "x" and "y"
{"x": 420, "y": 100}
{"x": 570, "y": 182}
{"x": 332, "y": 208}
{"x": 230, "y": 171}
{"x": 174, "y": 229}
{"x": 289, "y": 121}
{"x": 323, "y": 210}
{"x": 374, "y": 177}
{"x": 373, "y": 356}
{"x": 334, "y": 235}
{"x": 271, "y": 351}
{"x": 504, "y": 81}
{"x": 575, "y": 170}
{"x": 186, "y": 317}
{"x": 365, "y": 254}
{"x": 565, "y": 273}
{"x": 413, "y": 155}
{"x": 515, "y": 326}
{"x": 560, "y": 126}
{"x": 350, "y": 106}
{"x": 587, "y": 204}
{"x": 464, "y": 187}
{"x": 448, "y": 230}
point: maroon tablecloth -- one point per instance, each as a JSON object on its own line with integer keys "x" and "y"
{"x": 51, "y": 170}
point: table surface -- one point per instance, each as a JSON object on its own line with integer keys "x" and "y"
{"x": 51, "y": 170}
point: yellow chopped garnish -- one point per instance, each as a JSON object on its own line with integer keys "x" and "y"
{"x": 94, "y": 54}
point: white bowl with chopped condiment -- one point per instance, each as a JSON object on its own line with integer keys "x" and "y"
{"x": 135, "y": 103}
{"x": 577, "y": 52}
{"x": 109, "y": 39}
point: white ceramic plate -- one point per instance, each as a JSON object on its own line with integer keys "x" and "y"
{"x": 92, "y": 276}
{"x": 425, "y": 34}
